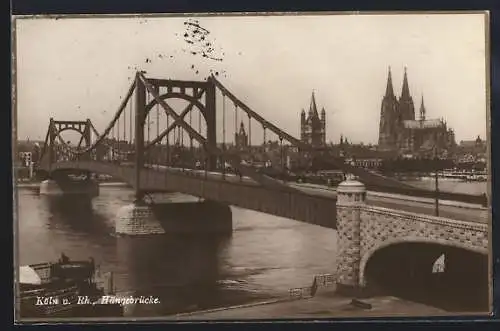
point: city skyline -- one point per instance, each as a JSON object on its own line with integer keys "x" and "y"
{"x": 77, "y": 74}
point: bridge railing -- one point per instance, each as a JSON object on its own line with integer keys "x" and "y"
{"x": 319, "y": 281}
{"x": 480, "y": 199}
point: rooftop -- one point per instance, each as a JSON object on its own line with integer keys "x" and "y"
{"x": 423, "y": 124}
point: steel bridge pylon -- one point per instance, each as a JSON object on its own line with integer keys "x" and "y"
{"x": 201, "y": 94}
{"x": 57, "y": 127}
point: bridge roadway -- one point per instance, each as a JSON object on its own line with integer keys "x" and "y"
{"x": 449, "y": 209}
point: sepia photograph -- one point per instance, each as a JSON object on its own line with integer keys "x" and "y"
{"x": 251, "y": 166}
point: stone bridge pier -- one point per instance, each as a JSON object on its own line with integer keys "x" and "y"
{"x": 61, "y": 185}
{"x": 351, "y": 197}
{"x": 189, "y": 217}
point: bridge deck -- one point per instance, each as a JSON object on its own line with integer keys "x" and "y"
{"x": 459, "y": 211}
{"x": 246, "y": 193}
{"x": 470, "y": 213}
{"x": 289, "y": 203}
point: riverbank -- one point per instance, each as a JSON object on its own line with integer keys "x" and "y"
{"x": 326, "y": 304}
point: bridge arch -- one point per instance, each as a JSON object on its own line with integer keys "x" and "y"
{"x": 406, "y": 268}
{"x": 366, "y": 256}
{"x": 183, "y": 96}
{"x": 75, "y": 129}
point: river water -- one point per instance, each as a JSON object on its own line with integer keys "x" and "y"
{"x": 263, "y": 258}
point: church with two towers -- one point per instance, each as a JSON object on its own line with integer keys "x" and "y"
{"x": 401, "y": 131}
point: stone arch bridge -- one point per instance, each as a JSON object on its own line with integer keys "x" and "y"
{"x": 381, "y": 241}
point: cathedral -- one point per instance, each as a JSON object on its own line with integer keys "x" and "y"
{"x": 313, "y": 127}
{"x": 400, "y": 131}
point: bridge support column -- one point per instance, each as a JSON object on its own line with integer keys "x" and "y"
{"x": 50, "y": 187}
{"x": 65, "y": 187}
{"x": 200, "y": 217}
{"x": 351, "y": 196}
{"x": 137, "y": 218}
{"x": 195, "y": 217}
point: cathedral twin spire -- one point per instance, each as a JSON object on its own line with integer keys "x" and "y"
{"x": 405, "y": 97}
{"x": 405, "y": 91}
{"x": 389, "y": 90}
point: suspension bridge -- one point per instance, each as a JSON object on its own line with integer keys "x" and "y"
{"x": 155, "y": 147}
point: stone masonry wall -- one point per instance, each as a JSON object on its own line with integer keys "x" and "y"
{"x": 137, "y": 220}
{"x": 381, "y": 227}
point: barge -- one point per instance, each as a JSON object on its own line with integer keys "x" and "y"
{"x": 65, "y": 289}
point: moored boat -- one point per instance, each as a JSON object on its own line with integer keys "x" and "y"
{"x": 64, "y": 289}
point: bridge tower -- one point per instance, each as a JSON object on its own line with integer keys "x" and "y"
{"x": 178, "y": 90}
{"x": 54, "y": 143}
{"x": 57, "y": 127}
{"x": 140, "y": 117}
{"x": 351, "y": 196}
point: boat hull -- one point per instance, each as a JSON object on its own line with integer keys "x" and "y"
{"x": 64, "y": 289}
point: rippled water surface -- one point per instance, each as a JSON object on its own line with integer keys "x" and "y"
{"x": 264, "y": 257}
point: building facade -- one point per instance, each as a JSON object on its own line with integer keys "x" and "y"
{"x": 401, "y": 131}
{"x": 313, "y": 126}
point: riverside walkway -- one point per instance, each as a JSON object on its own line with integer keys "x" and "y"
{"x": 324, "y": 305}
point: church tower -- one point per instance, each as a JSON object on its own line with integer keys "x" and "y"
{"x": 389, "y": 118}
{"x": 406, "y": 107}
{"x": 422, "y": 109}
{"x": 241, "y": 138}
{"x": 313, "y": 127}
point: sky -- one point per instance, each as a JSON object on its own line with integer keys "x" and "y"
{"x": 78, "y": 68}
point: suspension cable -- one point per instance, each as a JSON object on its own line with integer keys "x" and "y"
{"x": 113, "y": 143}
{"x": 166, "y": 156}
{"x": 125, "y": 125}
{"x": 281, "y": 148}
{"x": 168, "y": 141}
{"x": 249, "y": 132}
{"x": 235, "y": 123}
{"x": 222, "y": 159}
{"x": 118, "y": 132}
{"x": 148, "y": 157}
{"x": 190, "y": 136}
{"x": 158, "y": 158}
{"x": 202, "y": 152}
{"x": 131, "y": 120}
{"x": 181, "y": 133}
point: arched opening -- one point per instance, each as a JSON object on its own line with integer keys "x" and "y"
{"x": 178, "y": 147}
{"x": 449, "y": 278}
{"x": 72, "y": 137}
{"x": 65, "y": 140}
